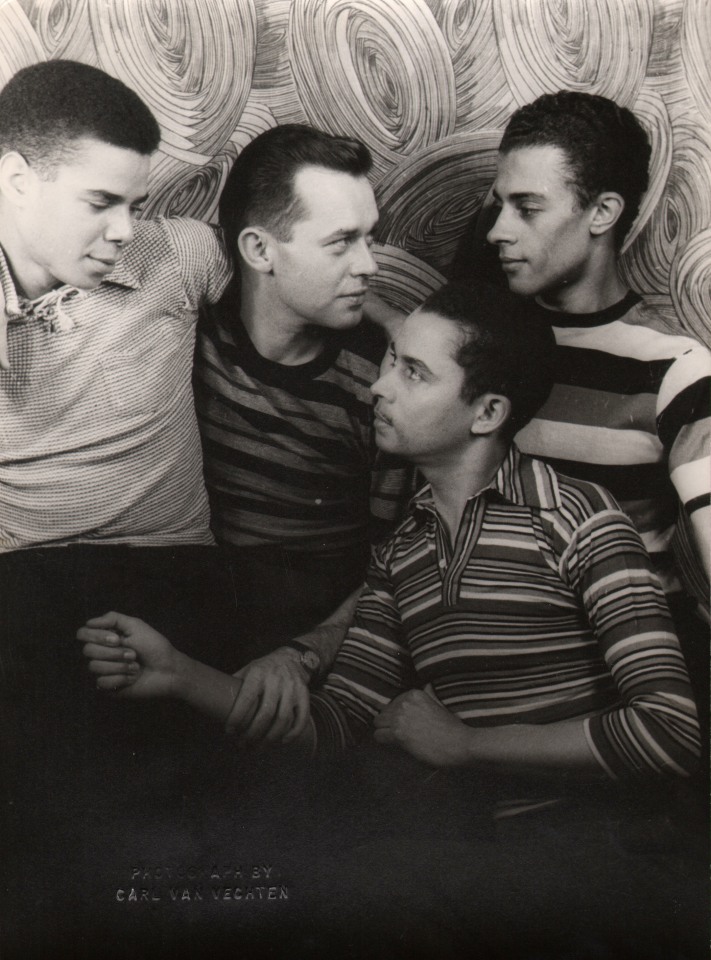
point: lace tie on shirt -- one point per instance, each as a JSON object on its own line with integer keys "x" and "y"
{"x": 48, "y": 309}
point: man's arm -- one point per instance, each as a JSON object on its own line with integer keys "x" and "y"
{"x": 653, "y": 731}
{"x": 273, "y": 702}
{"x": 684, "y": 426}
{"x": 135, "y": 662}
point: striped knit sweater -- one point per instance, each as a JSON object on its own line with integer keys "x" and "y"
{"x": 631, "y": 410}
{"x": 545, "y": 608}
{"x": 289, "y": 451}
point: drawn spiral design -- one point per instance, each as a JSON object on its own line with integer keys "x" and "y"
{"x": 191, "y": 62}
{"x": 64, "y": 30}
{"x": 19, "y": 44}
{"x": 695, "y": 39}
{"x": 427, "y": 201}
{"x": 377, "y": 71}
{"x": 483, "y": 95}
{"x": 652, "y": 114}
{"x": 403, "y": 280}
{"x": 691, "y": 285}
{"x": 598, "y": 46}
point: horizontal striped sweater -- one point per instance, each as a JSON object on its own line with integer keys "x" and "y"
{"x": 631, "y": 410}
{"x": 545, "y": 608}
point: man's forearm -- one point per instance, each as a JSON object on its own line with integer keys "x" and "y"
{"x": 327, "y": 637}
{"x": 207, "y": 690}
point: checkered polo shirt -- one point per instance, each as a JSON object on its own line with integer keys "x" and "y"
{"x": 98, "y": 436}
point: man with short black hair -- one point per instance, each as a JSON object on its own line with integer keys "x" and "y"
{"x": 283, "y": 371}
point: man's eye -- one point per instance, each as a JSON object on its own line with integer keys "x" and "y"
{"x": 528, "y": 211}
{"x": 340, "y": 245}
{"x": 412, "y": 373}
{"x": 97, "y": 205}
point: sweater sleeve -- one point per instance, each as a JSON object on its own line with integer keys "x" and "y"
{"x": 372, "y": 666}
{"x": 655, "y": 729}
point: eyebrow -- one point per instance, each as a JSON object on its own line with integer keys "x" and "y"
{"x": 115, "y": 198}
{"x": 410, "y": 361}
{"x": 521, "y": 195}
{"x": 348, "y": 234}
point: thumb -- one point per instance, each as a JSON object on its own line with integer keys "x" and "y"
{"x": 112, "y": 621}
{"x": 430, "y": 691}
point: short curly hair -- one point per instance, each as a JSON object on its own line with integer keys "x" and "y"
{"x": 47, "y": 107}
{"x": 605, "y": 145}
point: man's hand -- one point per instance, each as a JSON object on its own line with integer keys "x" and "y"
{"x": 417, "y": 722}
{"x": 129, "y": 657}
{"x": 4, "y": 354}
{"x": 273, "y": 702}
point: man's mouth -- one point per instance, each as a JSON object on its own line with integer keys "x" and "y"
{"x": 381, "y": 418}
{"x": 509, "y": 262}
{"x": 105, "y": 262}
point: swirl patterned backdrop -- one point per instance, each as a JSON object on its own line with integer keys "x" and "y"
{"x": 428, "y": 85}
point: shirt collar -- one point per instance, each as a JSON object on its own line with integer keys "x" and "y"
{"x": 520, "y": 479}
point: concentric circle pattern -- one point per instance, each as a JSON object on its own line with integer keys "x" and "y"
{"x": 428, "y": 85}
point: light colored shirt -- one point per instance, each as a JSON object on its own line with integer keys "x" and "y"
{"x": 98, "y": 435}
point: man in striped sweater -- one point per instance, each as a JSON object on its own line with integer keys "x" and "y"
{"x": 513, "y": 653}
{"x": 282, "y": 387}
{"x": 523, "y": 602}
{"x": 630, "y": 407}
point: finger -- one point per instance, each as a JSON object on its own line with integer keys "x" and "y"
{"x": 116, "y": 683}
{"x": 97, "y": 651}
{"x": 301, "y": 715}
{"x": 109, "y": 668}
{"x": 112, "y": 621}
{"x": 246, "y": 702}
{"x": 92, "y": 635}
{"x": 263, "y": 718}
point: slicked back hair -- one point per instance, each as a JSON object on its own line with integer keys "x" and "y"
{"x": 47, "y": 107}
{"x": 502, "y": 350}
{"x": 605, "y": 145}
{"x": 260, "y": 187}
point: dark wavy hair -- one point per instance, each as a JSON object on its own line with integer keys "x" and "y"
{"x": 605, "y": 145}
{"x": 502, "y": 348}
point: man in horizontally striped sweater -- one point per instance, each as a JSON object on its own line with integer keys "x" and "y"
{"x": 523, "y": 601}
{"x": 513, "y": 636}
{"x": 282, "y": 388}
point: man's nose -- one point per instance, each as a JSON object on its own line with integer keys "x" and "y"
{"x": 501, "y": 230}
{"x": 364, "y": 263}
{"x": 120, "y": 226}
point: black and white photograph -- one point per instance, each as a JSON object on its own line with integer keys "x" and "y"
{"x": 355, "y": 479}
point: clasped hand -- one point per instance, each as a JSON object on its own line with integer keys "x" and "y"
{"x": 417, "y": 722}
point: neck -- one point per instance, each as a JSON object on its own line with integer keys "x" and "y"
{"x": 599, "y": 287}
{"x": 458, "y": 479}
{"x": 30, "y": 280}
{"x": 275, "y": 331}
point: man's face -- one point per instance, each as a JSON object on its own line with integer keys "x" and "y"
{"x": 322, "y": 272}
{"x": 419, "y": 411}
{"x": 74, "y": 227}
{"x": 543, "y": 237}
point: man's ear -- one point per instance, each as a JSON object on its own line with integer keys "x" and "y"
{"x": 16, "y": 177}
{"x": 490, "y": 413}
{"x": 607, "y": 210}
{"x": 255, "y": 247}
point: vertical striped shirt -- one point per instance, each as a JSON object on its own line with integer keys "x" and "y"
{"x": 544, "y": 609}
{"x": 98, "y": 435}
{"x": 631, "y": 410}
